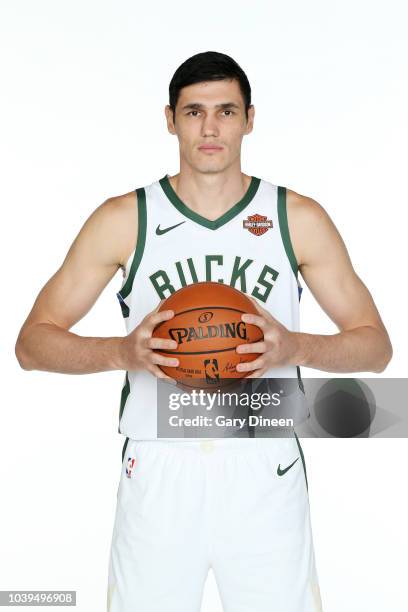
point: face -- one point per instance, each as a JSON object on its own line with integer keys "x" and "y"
{"x": 210, "y": 123}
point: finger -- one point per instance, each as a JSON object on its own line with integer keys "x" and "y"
{"x": 155, "y": 318}
{"x": 154, "y": 369}
{"x": 149, "y": 314}
{"x": 171, "y": 362}
{"x": 254, "y": 319}
{"x": 260, "y": 308}
{"x": 161, "y": 343}
{"x": 250, "y": 365}
{"x": 263, "y": 311}
{"x": 256, "y": 374}
{"x": 255, "y": 347}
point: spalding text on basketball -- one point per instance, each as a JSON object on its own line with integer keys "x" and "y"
{"x": 223, "y": 330}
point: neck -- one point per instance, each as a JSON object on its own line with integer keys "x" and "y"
{"x": 210, "y": 194}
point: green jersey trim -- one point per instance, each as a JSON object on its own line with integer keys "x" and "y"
{"x": 224, "y": 218}
{"x": 123, "y": 397}
{"x": 284, "y": 229}
{"x": 140, "y": 242}
{"x": 303, "y": 459}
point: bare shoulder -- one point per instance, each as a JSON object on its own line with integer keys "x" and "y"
{"x": 309, "y": 225}
{"x": 303, "y": 208}
{"x": 119, "y": 215}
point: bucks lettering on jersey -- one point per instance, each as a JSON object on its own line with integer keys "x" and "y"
{"x": 233, "y": 273}
{"x": 248, "y": 248}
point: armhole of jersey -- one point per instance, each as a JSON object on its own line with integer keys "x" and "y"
{"x": 284, "y": 230}
{"x": 140, "y": 242}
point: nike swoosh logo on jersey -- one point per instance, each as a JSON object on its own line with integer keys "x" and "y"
{"x": 159, "y": 231}
{"x": 281, "y": 471}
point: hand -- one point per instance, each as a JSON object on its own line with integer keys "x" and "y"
{"x": 279, "y": 346}
{"x": 137, "y": 348}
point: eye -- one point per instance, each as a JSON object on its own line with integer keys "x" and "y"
{"x": 224, "y": 111}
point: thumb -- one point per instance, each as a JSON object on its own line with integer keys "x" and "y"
{"x": 158, "y": 305}
{"x": 262, "y": 310}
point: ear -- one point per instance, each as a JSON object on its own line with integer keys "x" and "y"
{"x": 169, "y": 118}
{"x": 250, "y": 121}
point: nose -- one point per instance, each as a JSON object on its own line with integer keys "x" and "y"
{"x": 209, "y": 126}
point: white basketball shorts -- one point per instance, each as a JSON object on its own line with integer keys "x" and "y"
{"x": 239, "y": 506}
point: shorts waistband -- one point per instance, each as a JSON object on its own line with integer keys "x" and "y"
{"x": 228, "y": 445}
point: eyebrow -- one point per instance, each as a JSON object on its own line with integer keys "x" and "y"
{"x": 197, "y": 105}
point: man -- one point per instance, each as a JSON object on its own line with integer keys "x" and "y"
{"x": 239, "y": 506}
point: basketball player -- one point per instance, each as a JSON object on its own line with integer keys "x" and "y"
{"x": 239, "y": 506}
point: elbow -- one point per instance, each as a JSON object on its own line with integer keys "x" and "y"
{"x": 386, "y": 357}
{"x": 21, "y": 355}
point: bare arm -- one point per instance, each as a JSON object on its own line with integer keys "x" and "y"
{"x": 45, "y": 342}
{"x": 362, "y": 344}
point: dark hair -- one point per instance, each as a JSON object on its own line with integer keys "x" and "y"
{"x": 208, "y": 66}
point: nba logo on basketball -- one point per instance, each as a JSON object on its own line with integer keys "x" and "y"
{"x": 211, "y": 370}
{"x": 129, "y": 467}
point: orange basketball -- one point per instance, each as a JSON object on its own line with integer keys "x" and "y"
{"x": 207, "y": 327}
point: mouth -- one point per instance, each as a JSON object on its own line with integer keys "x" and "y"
{"x": 210, "y": 148}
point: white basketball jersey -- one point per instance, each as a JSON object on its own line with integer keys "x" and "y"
{"x": 248, "y": 247}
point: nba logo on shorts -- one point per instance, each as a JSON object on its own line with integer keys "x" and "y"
{"x": 129, "y": 467}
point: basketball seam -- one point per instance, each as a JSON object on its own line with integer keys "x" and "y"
{"x": 204, "y": 352}
{"x": 204, "y": 309}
